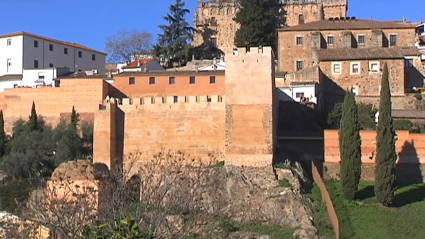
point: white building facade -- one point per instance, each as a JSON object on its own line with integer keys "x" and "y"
{"x": 25, "y": 53}
{"x": 305, "y": 92}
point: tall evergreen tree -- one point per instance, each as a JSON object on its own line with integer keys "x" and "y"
{"x": 174, "y": 43}
{"x": 2, "y": 135}
{"x": 350, "y": 147}
{"x": 33, "y": 119}
{"x": 385, "y": 177}
{"x": 258, "y": 23}
{"x": 75, "y": 117}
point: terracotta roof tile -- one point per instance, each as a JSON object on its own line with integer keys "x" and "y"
{"x": 141, "y": 62}
{"x": 357, "y": 24}
{"x": 365, "y": 53}
{"x": 52, "y": 40}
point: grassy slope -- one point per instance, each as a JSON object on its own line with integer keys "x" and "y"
{"x": 368, "y": 220}
{"x": 321, "y": 218}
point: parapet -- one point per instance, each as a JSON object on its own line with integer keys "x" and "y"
{"x": 262, "y": 50}
{"x": 166, "y": 100}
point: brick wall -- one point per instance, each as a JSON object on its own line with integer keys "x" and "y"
{"x": 410, "y": 149}
{"x": 162, "y": 86}
{"x": 84, "y": 94}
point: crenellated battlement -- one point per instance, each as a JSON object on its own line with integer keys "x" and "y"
{"x": 253, "y": 51}
{"x": 163, "y": 100}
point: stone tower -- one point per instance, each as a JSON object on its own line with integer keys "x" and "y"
{"x": 214, "y": 19}
{"x": 251, "y": 105}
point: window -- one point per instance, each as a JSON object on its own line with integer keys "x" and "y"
{"x": 9, "y": 42}
{"x": 151, "y": 80}
{"x": 212, "y": 79}
{"x": 355, "y": 68}
{"x": 41, "y": 76}
{"x": 299, "y": 95}
{"x": 330, "y": 40}
{"x": 50, "y": 65}
{"x": 299, "y": 65}
{"x": 393, "y": 40}
{"x": 299, "y": 40}
{"x": 35, "y": 43}
{"x": 355, "y": 89}
{"x": 93, "y": 57}
{"x": 171, "y": 80}
{"x": 175, "y": 99}
{"x": 35, "y": 64}
{"x": 213, "y": 42}
{"x": 336, "y": 68}
{"x": 300, "y": 19}
{"x": 50, "y": 47}
{"x": 374, "y": 67}
{"x": 65, "y": 51}
{"x": 80, "y": 54}
{"x": 408, "y": 63}
{"x": 361, "y": 39}
{"x": 192, "y": 80}
{"x": 131, "y": 80}
{"x": 9, "y": 64}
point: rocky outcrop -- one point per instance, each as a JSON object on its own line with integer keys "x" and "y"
{"x": 253, "y": 195}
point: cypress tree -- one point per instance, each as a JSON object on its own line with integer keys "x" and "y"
{"x": 2, "y": 135}
{"x": 33, "y": 118}
{"x": 258, "y": 23}
{"x": 350, "y": 147}
{"x": 75, "y": 117}
{"x": 385, "y": 178}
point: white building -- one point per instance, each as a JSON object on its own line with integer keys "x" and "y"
{"x": 299, "y": 92}
{"x": 24, "y": 53}
{"x": 216, "y": 66}
{"x": 142, "y": 65}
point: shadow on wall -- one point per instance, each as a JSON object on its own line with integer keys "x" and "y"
{"x": 408, "y": 167}
{"x": 119, "y": 133}
{"x": 409, "y": 178}
{"x": 414, "y": 78}
{"x": 208, "y": 48}
{"x": 115, "y": 93}
{"x": 282, "y": 96}
{"x": 330, "y": 93}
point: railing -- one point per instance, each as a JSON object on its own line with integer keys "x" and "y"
{"x": 327, "y": 198}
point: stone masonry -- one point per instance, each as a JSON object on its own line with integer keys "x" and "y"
{"x": 239, "y": 125}
{"x": 214, "y": 19}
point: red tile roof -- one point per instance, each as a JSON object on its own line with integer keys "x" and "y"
{"x": 142, "y": 62}
{"x": 52, "y": 40}
{"x": 365, "y": 53}
{"x": 356, "y": 24}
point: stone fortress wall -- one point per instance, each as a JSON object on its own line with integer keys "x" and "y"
{"x": 53, "y": 103}
{"x": 239, "y": 125}
{"x": 214, "y": 19}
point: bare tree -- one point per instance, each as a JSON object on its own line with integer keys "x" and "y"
{"x": 161, "y": 192}
{"x": 128, "y": 45}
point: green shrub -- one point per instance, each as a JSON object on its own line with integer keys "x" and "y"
{"x": 403, "y": 125}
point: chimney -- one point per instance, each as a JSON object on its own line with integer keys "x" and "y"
{"x": 138, "y": 63}
{"x": 404, "y": 19}
{"x": 146, "y": 68}
{"x": 109, "y": 74}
